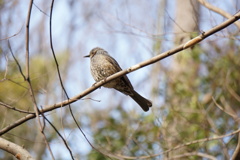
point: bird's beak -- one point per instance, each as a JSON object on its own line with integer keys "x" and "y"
{"x": 86, "y": 56}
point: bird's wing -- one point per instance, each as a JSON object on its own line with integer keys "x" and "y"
{"x": 118, "y": 68}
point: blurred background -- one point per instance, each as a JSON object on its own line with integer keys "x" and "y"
{"x": 188, "y": 89}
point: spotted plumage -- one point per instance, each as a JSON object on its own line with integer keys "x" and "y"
{"x": 103, "y": 65}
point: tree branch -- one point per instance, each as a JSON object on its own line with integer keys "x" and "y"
{"x": 28, "y": 79}
{"x": 15, "y": 150}
{"x": 218, "y": 10}
{"x": 155, "y": 59}
{"x": 16, "y": 109}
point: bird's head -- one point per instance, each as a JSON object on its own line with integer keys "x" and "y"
{"x": 95, "y": 51}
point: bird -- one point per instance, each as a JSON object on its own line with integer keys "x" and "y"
{"x": 102, "y": 65}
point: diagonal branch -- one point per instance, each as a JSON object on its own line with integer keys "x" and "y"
{"x": 15, "y": 34}
{"x": 218, "y": 10}
{"x": 16, "y": 150}
{"x": 59, "y": 134}
{"x": 16, "y": 109}
{"x": 155, "y": 59}
{"x": 15, "y": 59}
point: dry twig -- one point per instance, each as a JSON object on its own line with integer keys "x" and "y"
{"x": 218, "y": 10}
{"x": 17, "y": 151}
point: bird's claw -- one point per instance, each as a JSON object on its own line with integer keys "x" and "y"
{"x": 94, "y": 84}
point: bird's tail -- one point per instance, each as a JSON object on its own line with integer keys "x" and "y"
{"x": 143, "y": 102}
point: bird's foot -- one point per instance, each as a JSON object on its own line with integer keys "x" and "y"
{"x": 94, "y": 84}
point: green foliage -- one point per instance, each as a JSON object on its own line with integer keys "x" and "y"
{"x": 14, "y": 91}
{"x": 114, "y": 133}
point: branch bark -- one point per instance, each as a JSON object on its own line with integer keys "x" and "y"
{"x": 16, "y": 150}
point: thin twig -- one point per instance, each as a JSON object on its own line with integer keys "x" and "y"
{"x": 16, "y": 109}
{"x": 64, "y": 141}
{"x": 40, "y": 9}
{"x": 215, "y": 130}
{"x": 17, "y": 83}
{"x": 19, "y": 67}
{"x": 204, "y": 140}
{"x": 236, "y": 153}
{"x": 61, "y": 82}
{"x": 27, "y": 40}
{"x": 233, "y": 93}
{"x": 219, "y": 11}
{"x": 7, "y": 38}
{"x": 6, "y": 70}
{"x": 27, "y": 77}
{"x": 233, "y": 115}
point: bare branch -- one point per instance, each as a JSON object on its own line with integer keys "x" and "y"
{"x": 59, "y": 134}
{"x": 40, "y": 9}
{"x": 7, "y": 38}
{"x": 219, "y": 11}
{"x": 6, "y": 70}
{"x": 27, "y": 38}
{"x": 27, "y": 78}
{"x": 19, "y": 67}
{"x": 15, "y": 150}
{"x": 231, "y": 113}
{"x": 16, "y": 109}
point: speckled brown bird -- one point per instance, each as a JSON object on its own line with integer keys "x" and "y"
{"x": 103, "y": 65}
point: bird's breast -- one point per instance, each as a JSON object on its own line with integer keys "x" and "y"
{"x": 102, "y": 68}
